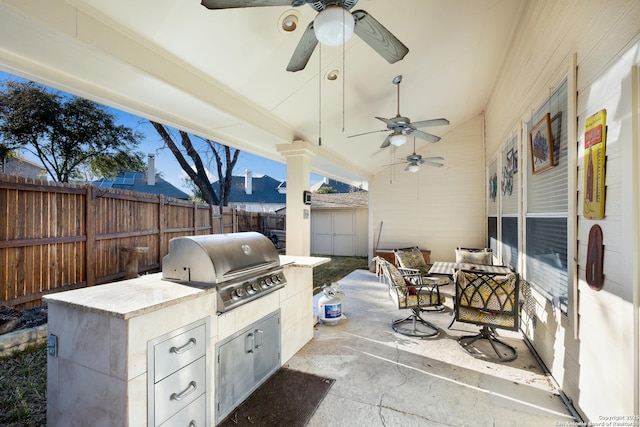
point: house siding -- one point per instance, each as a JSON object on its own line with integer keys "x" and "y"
{"x": 596, "y": 360}
{"x": 427, "y": 208}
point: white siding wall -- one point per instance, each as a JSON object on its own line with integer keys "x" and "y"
{"x": 436, "y": 208}
{"x": 599, "y": 369}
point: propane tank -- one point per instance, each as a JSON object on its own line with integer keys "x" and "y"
{"x": 329, "y": 306}
{"x": 340, "y": 295}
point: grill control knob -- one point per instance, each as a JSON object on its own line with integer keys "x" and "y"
{"x": 250, "y": 290}
{"x": 255, "y": 286}
{"x": 275, "y": 279}
{"x": 268, "y": 281}
{"x": 237, "y": 293}
{"x": 263, "y": 284}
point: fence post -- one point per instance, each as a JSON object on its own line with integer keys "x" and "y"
{"x": 161, "y": 228}
{"x": 195, "y": 217}
{"x": 90, "y": 234}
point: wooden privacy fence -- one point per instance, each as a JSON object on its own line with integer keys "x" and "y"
{"x": 56, "y": 237}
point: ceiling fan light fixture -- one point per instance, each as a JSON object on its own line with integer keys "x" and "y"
{"x": 413, "y": 167}
{"x": 333, "y": 26}
{"x": 398, "y": 139}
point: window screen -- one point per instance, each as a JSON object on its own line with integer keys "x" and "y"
{"x": 510, "y": 241}
{"x": 492, "y": 188}
{"x": 509, "y": 190}
{"x": 509, "y": 177}
{"x": 492, "y": 227}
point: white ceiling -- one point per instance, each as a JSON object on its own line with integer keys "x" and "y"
{"x": 222, "y": 74}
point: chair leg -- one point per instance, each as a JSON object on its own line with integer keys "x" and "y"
{"x": 453, "y": 315}
{"x": 413, "y": 329}
{"x": 504, "y": 351}
{"x": 433, "y": 309}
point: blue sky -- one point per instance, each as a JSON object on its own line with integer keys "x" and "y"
{"x": 165, "y": 162}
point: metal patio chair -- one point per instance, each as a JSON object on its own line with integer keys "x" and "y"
{"x": 489, "y": 300}
{"x": 408, "y": 292}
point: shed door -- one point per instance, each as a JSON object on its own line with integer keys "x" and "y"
{"x": 333, "y": 233}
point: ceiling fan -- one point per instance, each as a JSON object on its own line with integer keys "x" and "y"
{"x": 333, "y": 26}
{"x": 415, "y": 160}
{"x": 401, "y": 126}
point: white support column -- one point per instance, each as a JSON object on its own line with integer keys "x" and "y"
{"x": 298, "y": 155}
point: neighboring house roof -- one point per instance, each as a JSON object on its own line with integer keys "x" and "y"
{"x": 137, "y": 181}
{"x": 357, "y": 199}
{"x": 21, "y": 166}
{"x": 264, "y": 189}
{"x": 339, "y": 187}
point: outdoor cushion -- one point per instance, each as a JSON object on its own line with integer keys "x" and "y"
{"x": 474, "y": 256}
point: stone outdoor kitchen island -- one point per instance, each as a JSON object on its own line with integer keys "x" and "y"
{"x": 107, "y": 346}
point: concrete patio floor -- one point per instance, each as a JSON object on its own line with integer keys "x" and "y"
{"x": 387, "y": 379}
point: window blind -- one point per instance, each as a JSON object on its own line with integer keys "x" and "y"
{"x": 547, "y": 206}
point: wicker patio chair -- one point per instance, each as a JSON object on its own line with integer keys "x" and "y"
{"x": 491, "y": 301}
{"x": 412, "y": 259}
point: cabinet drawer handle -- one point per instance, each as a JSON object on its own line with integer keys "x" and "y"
{"x": 260, "y": 333}
{"x": 188, "y": 346}
{"x": 192, "y": 423}
{"x": 249, "y": 343}
{"x": 190, "y": 389}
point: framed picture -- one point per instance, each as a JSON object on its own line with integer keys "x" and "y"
{"x": 541, "y": 145}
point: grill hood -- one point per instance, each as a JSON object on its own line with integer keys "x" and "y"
{"x": 218, "y": 258}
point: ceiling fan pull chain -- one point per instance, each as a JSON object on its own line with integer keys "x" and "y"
{"x": 343, "y": 74}
{"x": 320, "y": 95}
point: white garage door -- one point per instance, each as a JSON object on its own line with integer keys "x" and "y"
{"x": 333, "y": 233}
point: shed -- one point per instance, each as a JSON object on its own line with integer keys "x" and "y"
{"x": 339, "y": 223}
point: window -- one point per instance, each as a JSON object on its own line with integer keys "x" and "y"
{"x": 492, "y": 206}
{"x": 546, "y": 208}
{"x": 492, "y": 227}
{"x": 509, "y": 203}
{"x": 510, "y": 242}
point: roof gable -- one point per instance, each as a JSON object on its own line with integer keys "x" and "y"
{"x": 264, "y": 190}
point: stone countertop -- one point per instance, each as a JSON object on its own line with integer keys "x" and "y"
{"x": 131, "y": 298}
{"x": 302, "y": 261}
{"x": 128, "y": 298}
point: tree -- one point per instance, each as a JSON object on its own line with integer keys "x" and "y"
{"x": 67, "y": 133}
{"x": 224, "y": 157}
{"x": 326, "y": 190}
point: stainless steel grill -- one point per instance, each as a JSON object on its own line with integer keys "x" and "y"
{"x": 242, "y": 266}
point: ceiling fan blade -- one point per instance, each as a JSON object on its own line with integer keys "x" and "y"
{"x": 367, "y": 133}
{"x": 387, "y": 142}
{"x": 387, "y": 121}
{"x": 434, "y": 164}
{"x": 423, "y": 135}
{"x": 378, "y": 37}
{"x": 304, "y": 50}
{"x": 432, "y": 122}
{"x": 429, "y": 159}
{"x": 232, "y": 4}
